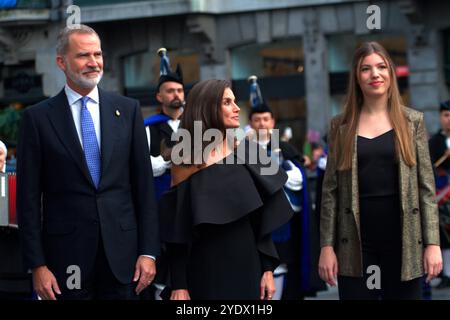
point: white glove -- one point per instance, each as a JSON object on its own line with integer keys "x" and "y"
{"x": 322, "y": 163}
{"x": 295, "y": 178}
{"x": 159, "y": 165}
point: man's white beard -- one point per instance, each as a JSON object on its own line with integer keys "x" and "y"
{"x": 81, "y": 81}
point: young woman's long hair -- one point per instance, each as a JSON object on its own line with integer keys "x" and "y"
{"x": 352, "y": 110}
{"x": 204, "y": 104}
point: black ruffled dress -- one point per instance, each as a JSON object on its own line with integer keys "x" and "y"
{"x": 217, "y": 227}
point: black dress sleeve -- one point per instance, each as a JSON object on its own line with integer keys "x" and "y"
{"x": 221, "y": 194}
{"x": 178, "y": 255}
{"x": 268, "y": 263}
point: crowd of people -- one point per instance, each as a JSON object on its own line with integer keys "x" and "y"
{"x": 98, "y": 188}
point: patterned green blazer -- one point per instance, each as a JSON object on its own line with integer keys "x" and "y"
{"x": 339, "y": 221}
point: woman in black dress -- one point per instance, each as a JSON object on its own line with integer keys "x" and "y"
{"x": 217, "y": 218}
{"x": 379, "y": 219}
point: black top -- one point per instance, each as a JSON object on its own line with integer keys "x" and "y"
{"x": 377, "y": 166}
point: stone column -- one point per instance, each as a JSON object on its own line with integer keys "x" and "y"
{"x": 426, "y": 79}
{"x": 316, "y": 75}
{"x": 214, "y": 71}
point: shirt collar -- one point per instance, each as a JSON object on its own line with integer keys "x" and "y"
{"x": 73, "y": 96}
{"x": 173, "y": 121}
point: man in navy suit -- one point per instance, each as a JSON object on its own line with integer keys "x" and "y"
{"x": 85, "y": 198}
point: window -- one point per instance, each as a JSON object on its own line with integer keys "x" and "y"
{"x": 141, "y": 73}
{"x": 279, "y": 67}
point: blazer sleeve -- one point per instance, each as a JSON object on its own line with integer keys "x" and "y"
{"x": 329, "y": 206}
{"x": 29, "y": 190}
{"x": 427, "y": 193}
{"x": 143, "y": 189}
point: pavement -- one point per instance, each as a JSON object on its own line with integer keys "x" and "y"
{"x": 436, "y": 294}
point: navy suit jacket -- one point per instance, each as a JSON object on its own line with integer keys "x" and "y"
{"x": 61, "y": 214}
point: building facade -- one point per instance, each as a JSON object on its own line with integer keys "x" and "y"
{"x": 299, "y": 49}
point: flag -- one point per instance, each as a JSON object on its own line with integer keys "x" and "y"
{"x": 255, "y": 93}
{"x": 164, "y": 66}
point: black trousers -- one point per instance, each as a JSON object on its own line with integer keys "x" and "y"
{"x": 391, "y": 288}
{"x": 100, "y": 283}
{"x": 381, "y": 249}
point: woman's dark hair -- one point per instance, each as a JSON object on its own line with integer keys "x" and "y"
{"x": 204, "y": 104}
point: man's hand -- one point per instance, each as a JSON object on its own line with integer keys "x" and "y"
{"x": 145, "y": 272}
{"x": 180, "y": 294}
{"x": 44, "y": 283}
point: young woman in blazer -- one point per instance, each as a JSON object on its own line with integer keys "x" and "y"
{"x": 379, "y": 219}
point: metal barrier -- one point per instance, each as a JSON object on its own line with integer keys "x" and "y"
{"x": 8, "y": 216}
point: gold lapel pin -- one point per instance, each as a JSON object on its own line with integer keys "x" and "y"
{"x": 117, "y": 113}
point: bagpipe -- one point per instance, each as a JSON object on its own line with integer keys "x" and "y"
{"x": 8, "y": 216}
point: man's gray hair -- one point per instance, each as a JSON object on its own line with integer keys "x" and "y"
{"x": 62, "y": 42}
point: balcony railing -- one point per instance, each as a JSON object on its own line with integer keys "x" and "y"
{"x": 83, "y": 3}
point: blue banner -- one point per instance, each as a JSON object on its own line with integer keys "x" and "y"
{"x": 8, "y": 3}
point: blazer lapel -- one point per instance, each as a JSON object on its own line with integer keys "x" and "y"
{"x": 403, "y": 170}
{"x": 62, "y": 121}
{"x": 355, "y": 187}
{"x": 109, "y": 119}
{"x": 353, "y": 181}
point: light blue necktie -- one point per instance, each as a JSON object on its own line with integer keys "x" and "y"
{"x": 90, "y": 144}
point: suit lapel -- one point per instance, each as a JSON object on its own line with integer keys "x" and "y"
{"x": 62, "y": 121}
{"x": 164, "y": 127}
{"x": 109, "y": 119}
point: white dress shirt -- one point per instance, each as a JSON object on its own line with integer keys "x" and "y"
{"x": 174, "y": 124}
{"x": 93, "y": 105}
{"x": 159, "y": 165}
